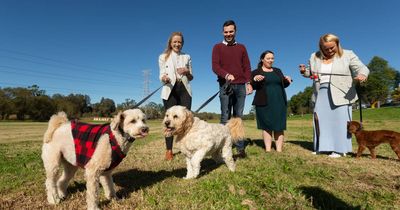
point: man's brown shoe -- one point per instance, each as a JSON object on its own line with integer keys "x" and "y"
{"x": 169, "y": 155}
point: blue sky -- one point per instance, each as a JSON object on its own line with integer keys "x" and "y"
{"x": 101, "y": 48}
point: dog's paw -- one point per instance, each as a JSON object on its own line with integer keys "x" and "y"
{"x": 53, "y": 199}
{"x": 189, "y": 177}
{"x": 62, "y": 195}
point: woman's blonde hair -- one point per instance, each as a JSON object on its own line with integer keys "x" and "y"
{"x": 168, "y": 49}
{"x": 329, "y": 38}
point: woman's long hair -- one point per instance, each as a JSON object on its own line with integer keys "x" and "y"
{"x": 168, "y": 49}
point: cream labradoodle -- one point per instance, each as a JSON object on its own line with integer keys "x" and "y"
{"x": 197, "y": 138}
{"x": 96, "y": 148}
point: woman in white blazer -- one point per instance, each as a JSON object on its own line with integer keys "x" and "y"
{"x": 175, "y": 74}
{"x": 335, "y": 72}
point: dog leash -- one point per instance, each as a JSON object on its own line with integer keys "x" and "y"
{"x": 212, "y": 97}
{"x": 145, "y": 98}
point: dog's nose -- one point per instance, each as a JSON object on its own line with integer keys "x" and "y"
{"x": 167, "y": 123}
{"x": 145, "y": 129}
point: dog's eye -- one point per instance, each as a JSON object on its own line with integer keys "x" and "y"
{"x": 133, "y": 121}
{"x": 175, "y": 116}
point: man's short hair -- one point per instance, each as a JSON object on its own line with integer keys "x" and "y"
{"x": 229, "y": 23}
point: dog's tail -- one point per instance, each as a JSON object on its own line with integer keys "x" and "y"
{"x": 55, "y": 121}
{"x": 236, "y": 129}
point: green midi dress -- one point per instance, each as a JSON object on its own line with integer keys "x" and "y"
{"x": 272, "y": 117}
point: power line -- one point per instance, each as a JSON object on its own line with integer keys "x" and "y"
{"x": 57, "y": 61}
{"x": 40, "y": 74}
{"x": 63, "y": 67}
{"x": 146, "y": 82}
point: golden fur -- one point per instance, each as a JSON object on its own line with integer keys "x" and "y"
{"x": 197, "y": 138}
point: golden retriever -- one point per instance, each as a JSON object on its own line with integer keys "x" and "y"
{"x": 197, "y": 138}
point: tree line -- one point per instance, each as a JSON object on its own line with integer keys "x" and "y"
{"x": 382, "y": 86}
{"x": 33, "y": 103}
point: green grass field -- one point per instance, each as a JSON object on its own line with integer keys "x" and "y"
{"x": 293, "y": 179}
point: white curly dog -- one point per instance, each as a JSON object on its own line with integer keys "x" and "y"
{"x": 97, "y": 148}
{"x": 197, "y": 138}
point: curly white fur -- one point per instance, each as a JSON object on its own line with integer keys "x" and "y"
{"x": 197, "y": 138}
{"x": 59, "y": 149}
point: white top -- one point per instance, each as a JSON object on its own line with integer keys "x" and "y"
{"x": 325, "y": 71}
{"x": 178, "y": 63}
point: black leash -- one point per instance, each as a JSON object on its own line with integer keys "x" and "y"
{"x": 226, "y": 86}
{"x": 145, "y": 98}
{"x": 205, "y": 103}
{"x": 360, "y": 104}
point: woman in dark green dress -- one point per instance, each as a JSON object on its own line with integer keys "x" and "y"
{"x": 270, "y": 100}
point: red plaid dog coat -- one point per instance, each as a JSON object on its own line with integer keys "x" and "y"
{"x": 86, "y": 137}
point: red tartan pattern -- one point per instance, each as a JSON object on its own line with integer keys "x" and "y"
{"x": 86, "y": 137}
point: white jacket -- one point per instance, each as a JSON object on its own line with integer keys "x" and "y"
{"x": 168, "y": 67}
{"x": 342, "y": 88}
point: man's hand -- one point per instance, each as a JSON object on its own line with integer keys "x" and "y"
{"x": 230, "y": 77}
{"x": 249, "y": 89}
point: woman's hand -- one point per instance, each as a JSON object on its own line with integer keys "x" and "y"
{"x": 289, "y": 79}
{"x": 258, "y": 78}
{"x": 302, "y": 68}
{"x": 361, "y": 78}
{"x": 166, "y": 79}
{"x": 182, "y": 71}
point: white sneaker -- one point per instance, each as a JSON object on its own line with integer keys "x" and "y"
{"x": 314, "y": 153}
{"x": 335, "y": 155}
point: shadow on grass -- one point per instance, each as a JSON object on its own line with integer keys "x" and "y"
{"x": 257, "y": 142}
{"x": 133, "y": 179}
{"x": 305, "y": 144}
{"x": 368, "y": 156}
{"x": 322, "y": 199}
{"x": 76, "y": 187}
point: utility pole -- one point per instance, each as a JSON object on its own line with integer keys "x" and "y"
{"x": 146, "y": 82}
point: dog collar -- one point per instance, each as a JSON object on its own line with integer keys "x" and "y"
{"x": 128, "y": 137}
{"x": 360, "y": 128}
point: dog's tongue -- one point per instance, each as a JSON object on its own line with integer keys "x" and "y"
{"x": 144, "y": 134}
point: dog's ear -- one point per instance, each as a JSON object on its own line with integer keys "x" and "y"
{"x": 188, "y": 120}
{"x": 118, "y": 121}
